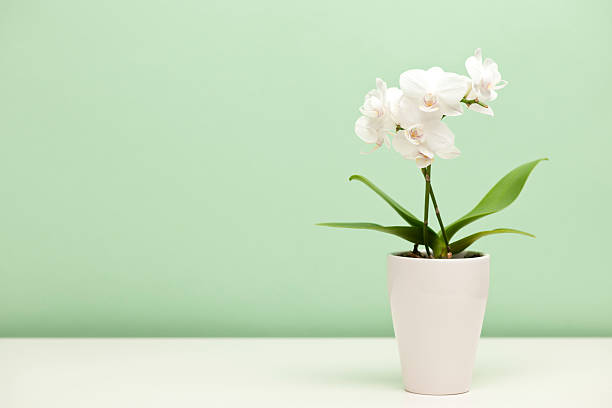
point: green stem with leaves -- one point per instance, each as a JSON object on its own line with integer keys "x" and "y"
{"x": 429, "y": 192}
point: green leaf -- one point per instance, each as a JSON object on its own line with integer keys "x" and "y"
{"x": 405, "y": 214}
{"x": 412, "y": 234}
{"x": 463, "y": 243}
{"x": 499, "y": 197}
{"x": 439, "y": 246}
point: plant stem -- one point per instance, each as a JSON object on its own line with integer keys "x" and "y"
{"x": 468, "y": 102}
{"x": 427, "y": 174}
{"x": 425, "y": 216}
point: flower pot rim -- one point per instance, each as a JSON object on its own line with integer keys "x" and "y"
{"x": 484, "y": 257}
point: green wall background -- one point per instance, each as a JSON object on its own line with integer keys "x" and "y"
{"x": 162, "y": 164}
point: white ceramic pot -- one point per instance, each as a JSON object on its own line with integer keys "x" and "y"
{"x": 437, "y": 307}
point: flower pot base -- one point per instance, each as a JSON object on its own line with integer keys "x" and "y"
{"x": 434, "y": 395}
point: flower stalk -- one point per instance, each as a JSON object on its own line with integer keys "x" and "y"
{"x": 469, "y": 102}
{"x": 425, "y": 218}
{"x": 429, "y": 192}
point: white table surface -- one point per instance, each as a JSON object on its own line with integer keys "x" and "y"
{"x": 177, "y": 373}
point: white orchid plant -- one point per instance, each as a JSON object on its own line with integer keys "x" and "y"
{"x": 410, "y": 118}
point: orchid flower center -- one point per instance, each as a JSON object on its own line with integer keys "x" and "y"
{"x": 430, "y": 100}
{"x": 416, "y": 134}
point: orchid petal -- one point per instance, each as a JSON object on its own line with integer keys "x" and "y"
{"x": 501, "y": 84}
{"x": 423, "y": 160}
{"x": 481, "y": 109}
{"x": 438, "y": 136}
{"x": 414, "y": 83}
{"x": 474, "y": 68}
{"x": 450, "y": 153}
{"x": 365, "y": 128}
{"x": 403, "y": 146}
{"x": 394, "y": 96}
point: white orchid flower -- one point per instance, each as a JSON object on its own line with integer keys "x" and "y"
{"x": 423, "y": 137}
{"x": 434, "y": 90}
{"x": 374, "y": 103}
{"x": 377, "y": 122}
{"x": 374, "y": 130}
{"x": 486, "y": 80}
